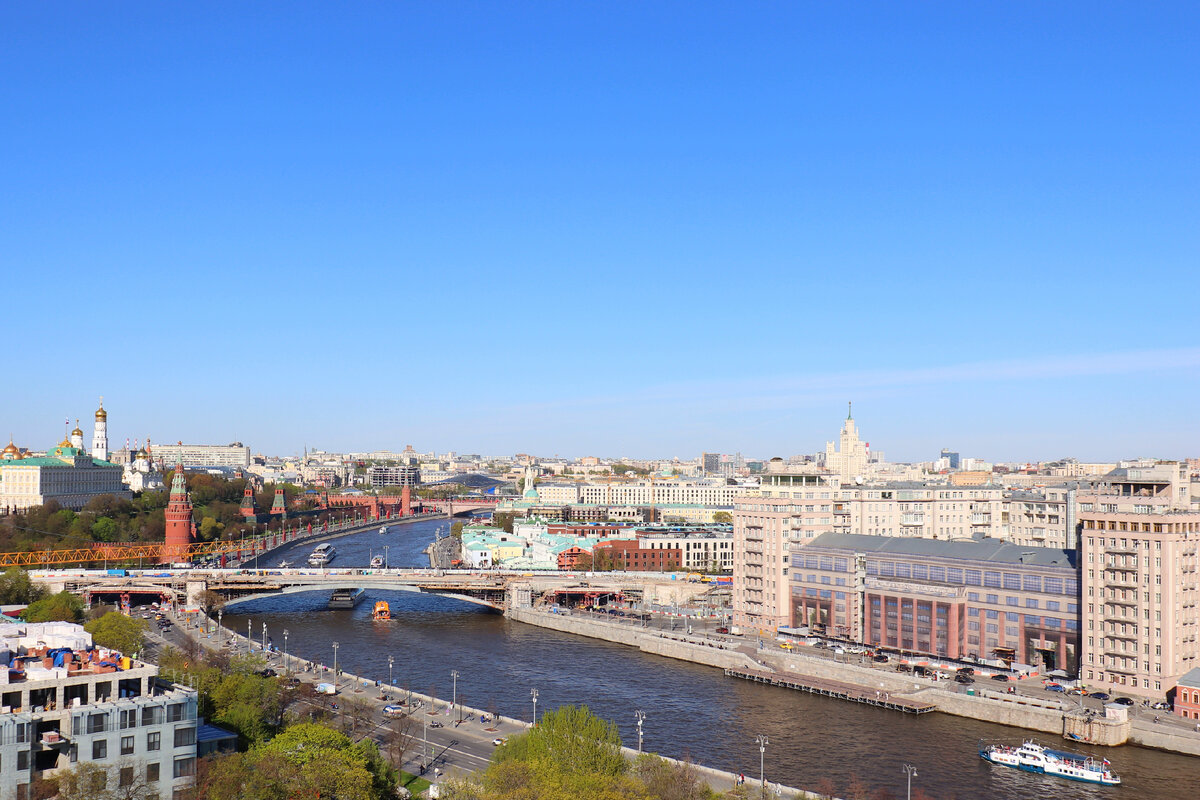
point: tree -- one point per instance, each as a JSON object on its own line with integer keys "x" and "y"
{"x": 119, "y": 632}
{"x": 723, "y": 516}
{"x": 570, "y": 739}
{"x": 16, "y": 588}
{"x": 104, "y": 530}
{"x": 668, "y": 780}
{"x": 64, "y": 607}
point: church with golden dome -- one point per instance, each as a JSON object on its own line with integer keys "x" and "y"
{"x": 67, "y": 473}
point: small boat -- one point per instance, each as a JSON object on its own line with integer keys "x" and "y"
{"x": 284, "y": 564}
{"x": 346, "y": 598}
{"x": 376, "y": 562}
{"x": 1032, "y": 757}
{"x": 382, "y": 612}
{"x": 322, "y": 555}
{"x": 382, "y": 529}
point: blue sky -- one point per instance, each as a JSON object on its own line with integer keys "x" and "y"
{"x": 607, "y": 228}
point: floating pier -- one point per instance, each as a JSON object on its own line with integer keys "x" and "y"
{"x": 834, "y": 689}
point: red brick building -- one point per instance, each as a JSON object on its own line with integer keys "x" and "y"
{"x": 1187, "y": 695}
{"x": 631, "y": 554}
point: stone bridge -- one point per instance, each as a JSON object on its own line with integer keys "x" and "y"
{"x": 497, "y": 589}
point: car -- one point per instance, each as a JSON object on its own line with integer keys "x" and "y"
{"x": 963, "y": 678}
{"x": 1161, "y": 706}
{"x": 1079, "y": 690}
{"x": 1125, "y": 701}
{"x": 966, "y": 670}
{"x": 723, "y": 630}
{"x": 786, "y": 645}
{"x": 1056, "y": 687}
{"x": 880, "y": 658}
{"x": 499, "y": 740}
{"x": 1100, "y": 695}
{"x": 435, "y": 724}
{"x": 1000, "y": 676}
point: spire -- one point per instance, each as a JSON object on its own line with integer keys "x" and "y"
{"x": 850, "y": 410}
{"x": 178, "y": 485}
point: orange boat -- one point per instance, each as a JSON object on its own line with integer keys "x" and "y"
{"x": 382, "y": 612}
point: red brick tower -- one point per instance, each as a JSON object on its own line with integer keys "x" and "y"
{"x": 406, "y": 501}
{"x": 279, "y": 506}
{"x": 179, "y": 520}
{"x": 247, "y": 508}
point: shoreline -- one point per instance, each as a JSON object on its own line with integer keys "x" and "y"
{"x": 1016, "y": 711}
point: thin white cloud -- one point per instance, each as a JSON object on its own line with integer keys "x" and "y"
{"x": 802, "y": 389}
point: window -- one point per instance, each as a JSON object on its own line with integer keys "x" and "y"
{"x": 152, "y": 715}
{"x": 152, "y": 772}
{"x": 97, "y": 723}
{"x": 126, "y": 747}
{"x": 153, "y": 740}
{"x": 99, "y": 749}
{"x": 184, "y": 767}
{"x": 126, "y": 777}
{"x": 175, "y": 712}
{"x": 128, "y": 718}
{"x": 185, "y": 736}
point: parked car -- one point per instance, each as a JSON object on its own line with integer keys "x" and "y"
{"x": 1161, "y": 706}
{"x": 1125, "y": 701}
{"x": 499, "y": 740}
{"x": 723, "y": 630}
{"x": 786, "y": 645}
{"x": 1100, "y": 695}
{"x": 966, "y": 670}
{"x": 1000, "y": 677}
{"x": 1056, "y": 687}
{"x": 880, "y": 658}
{"x": 435, "y": 724}
{"x": 963, "y": 678}
{"x": 1079, "y": 690}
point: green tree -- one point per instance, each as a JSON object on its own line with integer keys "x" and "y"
{"x": 105, "y": 530}
{"x": 17, "y": 588}
{"x": 119, "y": 632}
{"x": 723, "y": 516}
{"x": 569, "y": 739}
{"x": 63, "y": 606}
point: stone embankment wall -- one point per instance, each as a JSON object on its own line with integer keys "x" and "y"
{"x": 680, "y": 647}
{"x": 1166, "y": 740}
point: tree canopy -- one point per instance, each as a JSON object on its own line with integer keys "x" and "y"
{"x": 16, "y": 587}
{"x": 119, "y": 632}
{"x": 61, "y": 607}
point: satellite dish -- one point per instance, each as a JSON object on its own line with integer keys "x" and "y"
{"x": 858, "y": 480}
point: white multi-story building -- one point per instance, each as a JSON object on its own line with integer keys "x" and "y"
{"x": 667, "y": 491}
{"x": 791, "y": 506}
{"x": 66, "y": 702}
{"x": 234, "y": 455}
{"x": 66, "y": 475}
{"x": 849, "y": 459}
{"x": 1140, "y": 549}
{"x": 702, "y": 551}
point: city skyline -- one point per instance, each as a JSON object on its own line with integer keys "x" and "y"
{"x": 621, "y": 230}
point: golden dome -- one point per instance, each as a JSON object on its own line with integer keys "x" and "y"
{"x": 101, "y": 413}
{"x": 65, "y": 443}
{"x": 12, "y": 451}
{"x": 77, "y": 431}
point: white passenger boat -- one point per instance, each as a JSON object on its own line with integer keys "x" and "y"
{"x": 284, "y": 564}
{"x": 322, "y": 555}
{"x": 382, "y": 529}
{"x": 376, "y": 562}
{"x": 1032, "y": 757}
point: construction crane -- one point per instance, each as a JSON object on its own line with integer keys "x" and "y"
{"x": 126, "y": 551}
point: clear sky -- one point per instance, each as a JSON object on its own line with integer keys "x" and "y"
{"x": 605, "y": 228}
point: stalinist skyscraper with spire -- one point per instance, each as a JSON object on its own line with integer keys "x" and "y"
{"x": 849, "y": 460}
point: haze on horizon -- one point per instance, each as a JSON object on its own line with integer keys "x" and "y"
{"x": 618, "y": 229}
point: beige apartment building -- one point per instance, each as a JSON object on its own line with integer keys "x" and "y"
{"x": 792, "y": 506}
{"x": 1140, "y": 615}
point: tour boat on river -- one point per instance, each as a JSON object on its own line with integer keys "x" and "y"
{"x": 1032, "y": 757}
{"x": 322, "y": 555}
{"x": 382, "y": 612}
{"x": 376, "y": 562}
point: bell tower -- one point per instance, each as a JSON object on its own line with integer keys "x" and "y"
{"x": 100, "y": 436}
{"x": 179, "y": 519}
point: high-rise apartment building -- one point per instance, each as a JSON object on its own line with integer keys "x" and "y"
{"x": 793, "y": 505}
{"x": 235, "y": 454}
{"x": 1141, "y": 588}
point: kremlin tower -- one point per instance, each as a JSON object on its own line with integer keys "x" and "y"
{"x": 179, "y": 519}
{"x": 247, "y": 509}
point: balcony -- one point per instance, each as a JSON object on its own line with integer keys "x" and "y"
{"x": 841, "y": 510}
{"x": 1126, "y": 637}
{"x": 1120, "y": 615}
{"x": 912, "y": 520}
{"x": 981, "y": 518}
{"x": 1120, "y": 580}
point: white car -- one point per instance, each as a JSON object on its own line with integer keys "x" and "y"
{"x": 499, "y": 740}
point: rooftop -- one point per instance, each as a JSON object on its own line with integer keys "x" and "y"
{"x": 986, "y": 549}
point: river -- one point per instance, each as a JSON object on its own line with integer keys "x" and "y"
{"x": 691, "y": 711}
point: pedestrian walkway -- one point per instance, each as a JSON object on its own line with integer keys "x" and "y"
{"x": 834, "y": 689}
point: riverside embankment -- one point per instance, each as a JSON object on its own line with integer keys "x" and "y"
{"x": 1019, "y": 710}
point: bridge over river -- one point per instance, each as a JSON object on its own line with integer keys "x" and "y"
{"x": 497, "y": 589}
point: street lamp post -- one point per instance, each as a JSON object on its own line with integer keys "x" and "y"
{"x": 763, "y": 741}
{"x": 911, "y": 771}
{"x": 335, "y": 674}
{"x": 249, "y": 636}
{"x": 453, "y": 690}
{"x": 391, "y": 680}
{"x": 264, "y": 629}
{"x": 385, "y": 556}
{"x": 640, "y": 716}
{"x": 534, "y": 694}
{"x": 220, "y": 630}
{"x": 285, "y": 650}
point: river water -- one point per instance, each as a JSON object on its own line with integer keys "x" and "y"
{"x": 691, "y": 711}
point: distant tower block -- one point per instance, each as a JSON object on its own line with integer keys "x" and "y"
{"x": 247, "y": 509}
{"x": 406, "y": 501}
{"x": 179, "y": 519}
{"x": 279, "y": 506}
